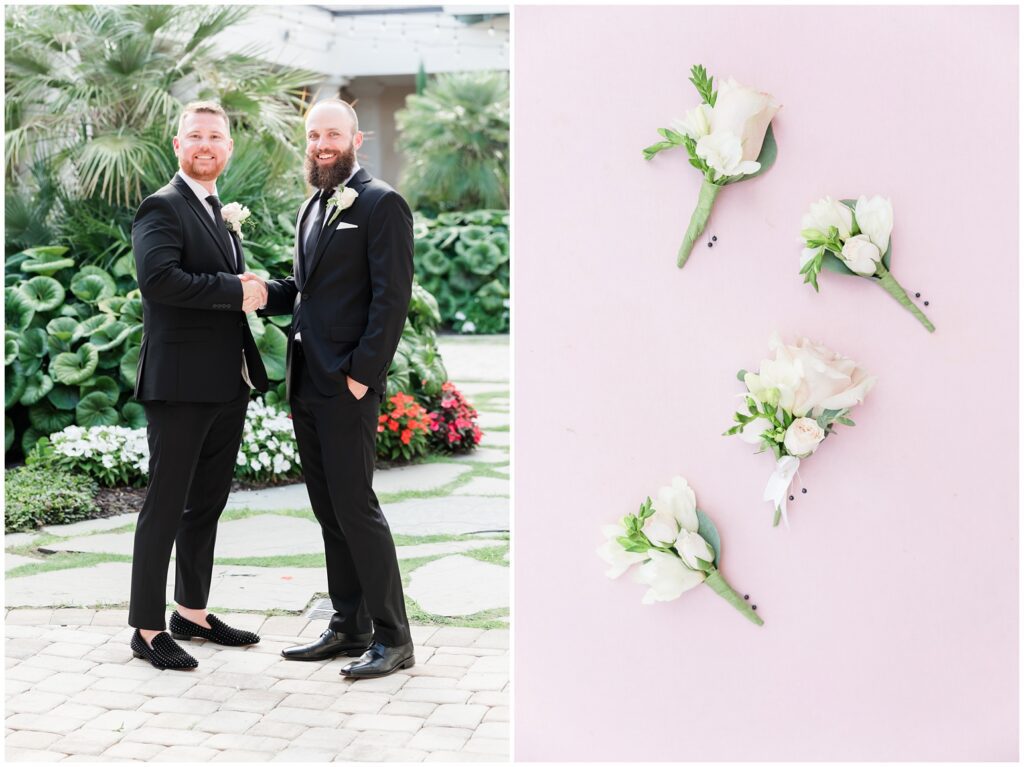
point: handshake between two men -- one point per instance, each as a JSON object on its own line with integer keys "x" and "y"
{"x": 254, "y": 292}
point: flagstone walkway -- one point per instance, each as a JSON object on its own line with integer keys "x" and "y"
{"x": 75, "y": 693}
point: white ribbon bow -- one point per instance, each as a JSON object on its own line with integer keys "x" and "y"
{"x": 777, "y": 489}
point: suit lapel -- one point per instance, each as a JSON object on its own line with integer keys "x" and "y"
{"x": 240, "y": 266}
{"x": 357, "y": 182}
{"x": 297, "y": 268}
{"x": 179, "y": 183}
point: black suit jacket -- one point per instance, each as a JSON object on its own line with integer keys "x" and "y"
{"x": 351, "y": 303}
{"x": 194, "y": 329}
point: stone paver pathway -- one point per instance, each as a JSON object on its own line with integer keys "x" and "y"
{"x": 74, "y": 693}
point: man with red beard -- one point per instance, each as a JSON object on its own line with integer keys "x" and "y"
{"x": 349, "y": 297}
{"x": 197, "y": 364}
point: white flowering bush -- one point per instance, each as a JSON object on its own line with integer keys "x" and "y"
{"x": 112, "y": 455}
{"x": 268, "y": 445}
{"x": 116, "y": 456}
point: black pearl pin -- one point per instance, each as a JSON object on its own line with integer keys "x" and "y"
{"x": 917, "y": 295}
{"x": 714, "y": 238}
{"x": 746, "y": 596}
{"x": 926, "y": 303}
{"x": 791, "y": 498}
{"x": 710, "y": 244}
{"x": 804, "y": 491}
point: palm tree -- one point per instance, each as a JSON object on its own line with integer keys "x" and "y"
{"x": 455, "y": 137}
{"x": 92, "y": 98}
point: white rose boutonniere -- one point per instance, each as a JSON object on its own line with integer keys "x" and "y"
{"x": 793, "y": 403}
{"x": 729, "y": 138}
{"x": 342, "y": 199}
{"x": 235, "y": 216}
{"x": 853, "y": 237}
{"x": 688, "y": 558}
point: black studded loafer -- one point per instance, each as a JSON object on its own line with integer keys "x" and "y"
{"x": 329, "y": 644}
{"x": 164, "y": 654}
{"x": 380, "y": 660}
{"x": 219, "y": 631}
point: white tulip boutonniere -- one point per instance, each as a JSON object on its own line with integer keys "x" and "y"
{"x": 676, "y": 545}
{"x": 793, "y": 403}
{"x": 729, "y": 138}
{"x": 853, "y": 237}
{"x": 236, "y": 216}
{"x": 342, "y": 199}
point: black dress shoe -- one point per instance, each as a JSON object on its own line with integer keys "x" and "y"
{"x": 380, "y": 660}
{"x": 165, "y": 652}
{"x": 329, "y": 644}
{"x": 219, "y": 631}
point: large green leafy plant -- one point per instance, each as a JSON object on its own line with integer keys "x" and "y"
{"x": 455, "y": 138}
{"x": 462, "y": 258}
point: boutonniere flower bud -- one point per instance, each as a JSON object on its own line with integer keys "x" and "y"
{"x": 670, "y": 563}
{"x": 793, "y": 403}
{"x": 728, "y": 138}
{"x": 235, "y": 215}
{"x": 342, "y": 199}
{"x": 853, "y": 237}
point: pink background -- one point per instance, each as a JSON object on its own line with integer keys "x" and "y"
{"x": 891, "y": 604}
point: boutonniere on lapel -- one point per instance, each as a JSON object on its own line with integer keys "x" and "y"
{"x": 342, "y": 199}
{"x": 236, "y": 216}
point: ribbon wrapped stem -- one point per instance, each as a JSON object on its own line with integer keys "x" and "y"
{"x": 896, "y": 290}
{"x": 699, "y": 220}
{"x": 721, "y": 587}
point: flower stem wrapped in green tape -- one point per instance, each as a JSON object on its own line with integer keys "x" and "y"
{"x": 676, "y": 546}
{"x": 728, "y": 137}
{"x": 853, "y": 237}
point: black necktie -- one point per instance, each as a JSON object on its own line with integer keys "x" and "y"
{"x": 309, "y": 248}
{"x": 221, "y": 228}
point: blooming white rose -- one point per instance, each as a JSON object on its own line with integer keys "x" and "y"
{"x": 697, "y": 122}
{"x": 745, "y": 113}
{"x": 861, "y": 255}
{"x": 342, "y": 199}
{"x": 827, "y": 212}
{"x": 692, "y": 547}
{"x": 874, "y": 217}
{"x": 828, "y": 381}
{"x": 667, "y": 577}
{"x": 723, "y": 152}
{"x": 611, "y": 551}
{"x": 234, "y": 215}
{"x": 778, "y": 377}
{"x": 803, "y": 437}
{"x": 751, "y": 433}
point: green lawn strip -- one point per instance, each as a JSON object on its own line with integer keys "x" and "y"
{"x": 65, "y": 561}
{"x": 503, "y": 428}
{"x": 493, "y": 556}
{"x": 233, "y": 514}
{"x": 485, "y": 619}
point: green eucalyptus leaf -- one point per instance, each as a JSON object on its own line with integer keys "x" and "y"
{"x": 769, "y": 151}
{"x": 43, "y": 293}
{"x": 95, "y": 410}
{"x": 706, "y": 529}
{"x": 75, "y": 367}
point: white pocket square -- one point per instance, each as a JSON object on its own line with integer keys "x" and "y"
{"x": 344, "y": 225}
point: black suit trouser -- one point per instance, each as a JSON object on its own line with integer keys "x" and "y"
{"x": 337, "y": 446}
{"x": 192, "y": 452}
